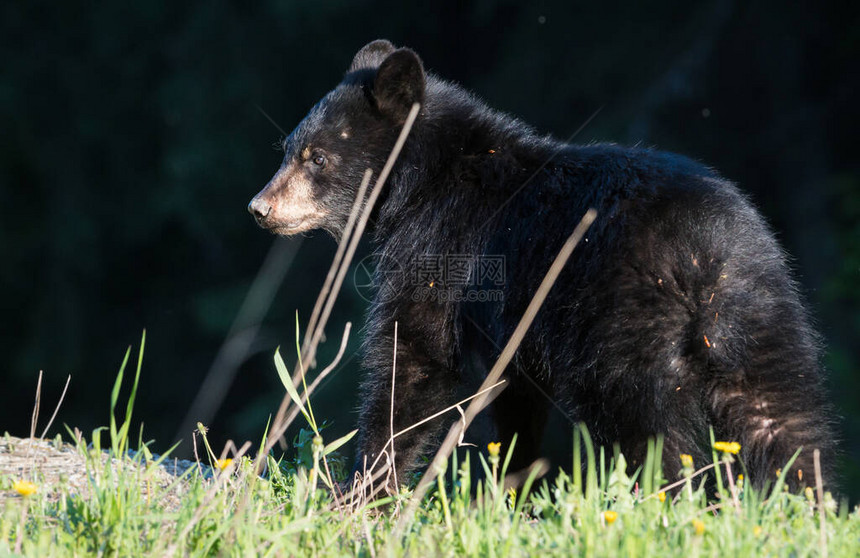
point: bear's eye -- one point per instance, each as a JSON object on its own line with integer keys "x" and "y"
{"x": 319, "y": 160}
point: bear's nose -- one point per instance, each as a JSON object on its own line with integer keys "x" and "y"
{"x": 259, "y": 209}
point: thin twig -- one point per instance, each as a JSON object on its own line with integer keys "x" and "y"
{"x": 359, "y": 492}
{"x": 450, "y": 408}
{"x": 35, "y": 418}
{"x": 310, "y": 390}
{"x": 196, "y": 455}
{"x": 334, "y": 487}
{"x": 239, "y": 340}
{"x": 359, "y": 229}
{"x": 819, "y": 488}
{"x": 440, "y": 413}
{"x": 20, "y": 534}
{"x": 335, "y": 264}
{"x": 321, "y": 376}
{"x": 277, "y": 431}
{"x": 270, "y": 119}
{"x": 391, "y": 415}
{"x": 377, "y": 473}
{"x": 525, "y": 374}
{"x": 478, "y": 404}
{"x": 57, "y": 408}
{"x": 369, "y": 538}
{"x": 732, "y": 488}
{"x": 712, "y": 508}
{"x": 278, "y": 424}
{"x": 683, "y": 481}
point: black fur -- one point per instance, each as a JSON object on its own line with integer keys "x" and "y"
{"x": 676, "y": 313}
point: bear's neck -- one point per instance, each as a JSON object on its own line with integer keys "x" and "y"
{"x": 456, "y": 126}
{"x": 464, "y": 154}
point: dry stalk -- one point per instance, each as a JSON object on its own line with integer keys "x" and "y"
{"x": 35, "y": 418}
{"x": 733, "y": 489}
{"x": 391, "y": 416}
{"x": 428, "y": 419}
{"x": 320, "y": 377}
{"x": 683, "y": 481}
{"x": 361, "y": 492}
{"x": 819, "y": 488}
{"x": 335, "y": 264}
{"x": 276, "y": 433}
{"x": 278, "y": 426}
{"x": 356, "y": 235}
{"x": 243, "y": 331}
{"x": 57, "y": 408}
{"x": 478, "y": 404}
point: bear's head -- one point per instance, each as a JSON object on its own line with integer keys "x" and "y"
{"x": 351, "y": 129}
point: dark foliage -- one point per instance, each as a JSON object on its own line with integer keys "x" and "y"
{"x": 132, "y": 141}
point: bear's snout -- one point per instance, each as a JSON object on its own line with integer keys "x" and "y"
{"x": 260, "y": 209}
{"x": 286, "y": 205}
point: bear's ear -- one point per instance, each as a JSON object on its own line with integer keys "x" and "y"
{"x": 371, "y": 55}
{"x": 399, "y": 83}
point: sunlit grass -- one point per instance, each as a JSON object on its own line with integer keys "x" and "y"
{"x": 599, "y": 508}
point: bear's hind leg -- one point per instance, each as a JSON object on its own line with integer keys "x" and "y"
{"x": 764, "y": 388}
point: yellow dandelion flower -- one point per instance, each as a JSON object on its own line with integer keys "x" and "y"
{"x": 728, "y": 447}
{"x": 810, "y": 495}
{"x": 757, "y": 530}
{"x": 661, "y": 496}
{"x": 494, "y": 448}
{"x": 687, "y": 460}
{"x": 223, "y": 463}
{"x": 610, "y": 516}
{"x": 779, "y": 472}
{"x": 699, "y": 526}
{"x": 25, "y": 488}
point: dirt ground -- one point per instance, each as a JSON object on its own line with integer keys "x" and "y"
{"x": 54, "y": 466}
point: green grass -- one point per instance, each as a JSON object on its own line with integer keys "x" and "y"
{"x": 289, "y": 511}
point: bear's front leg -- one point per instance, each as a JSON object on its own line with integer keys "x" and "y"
{"x": 424, "y": 383}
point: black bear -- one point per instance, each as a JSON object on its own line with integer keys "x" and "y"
{"x": 676, "y": 313}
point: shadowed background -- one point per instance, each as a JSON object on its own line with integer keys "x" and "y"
{"x": 131, "y": 142}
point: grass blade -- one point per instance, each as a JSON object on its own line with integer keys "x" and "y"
{"x": 114, "y": 396}
{"x": 284, "y": 374}
{"x": 123, "y": 431}
{"x": 334, "y": 446}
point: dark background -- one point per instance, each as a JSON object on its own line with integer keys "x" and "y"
{"x": 131, "y": 142}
